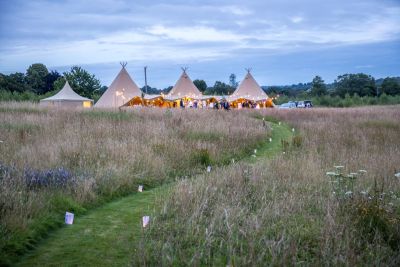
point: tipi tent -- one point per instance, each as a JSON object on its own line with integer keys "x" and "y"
{"x": 122, "y": 90}
{"x": 67, "y": 98}
{"x": 249, "y": 90}
{"x": 184, "y": 87}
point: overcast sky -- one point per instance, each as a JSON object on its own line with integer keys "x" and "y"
{"x": 283, "y": 41}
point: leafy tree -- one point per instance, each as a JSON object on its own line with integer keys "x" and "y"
{"x": 3, "y": 81}
{"x": 15, "y": 82}
{"x": 167, "y": 89}
{"x": 220, "y": 88}
{"x": 390, "y": 86}
{"x": 82, "y": 81}
{"x": 59, "y": 83}
{"x": 318, "y": 86}
{"x": 50, "y": 79}
{"x": 232, "y": 81}
{"x": 361, "y": 84}
{"x": 36, "y": 77}
{"x": 103, "y": 89}
{"x": 150, "y": 90}
{"x": 201, "y": 85}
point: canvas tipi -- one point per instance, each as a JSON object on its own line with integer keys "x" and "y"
{"x": 184, "y": 87}
{"x": 249, "y": 90}
{"x": 67, "y": 98}
{"x": 122, "y": 90}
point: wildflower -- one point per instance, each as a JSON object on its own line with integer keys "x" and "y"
{"x": 397, "y": 175}
{"x": 279, "y": 123}
{"x": 270, "y": 140}
{"x": 348, "y": 193}
{"x": 362, "y": 171}
{"x": 364, "y": 193}
{"x": 339, "y": 167}
{"x": 292, "y": 129}
{"x": 353, "y": 173}
{"x": 255, "y": 151}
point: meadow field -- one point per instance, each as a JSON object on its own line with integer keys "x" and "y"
{"x": 57, "y": 160}
{"x": 286, "y": 210}
{"x": 284, "y": 206}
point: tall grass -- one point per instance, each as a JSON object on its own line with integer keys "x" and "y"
{"x": 283, "y": 211}
{"x": 57, "y": 160}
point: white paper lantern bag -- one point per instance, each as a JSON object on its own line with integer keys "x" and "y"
{"x": 145, "y": 220}
{"x": 140, "y": 189}
{"x": 69, "y": 218}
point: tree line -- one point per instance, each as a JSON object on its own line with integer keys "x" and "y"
{"x": 359, "y": 84}
{"x": 38, "y": 82}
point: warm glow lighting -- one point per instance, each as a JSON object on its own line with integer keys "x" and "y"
{"x": 87, "y": 104}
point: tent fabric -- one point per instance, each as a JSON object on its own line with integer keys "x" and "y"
{"x": 120, "y": 92}
{"x": 184, "y": 87}
{"x": 66, "y": 94}
{"x": 249, "y": 90}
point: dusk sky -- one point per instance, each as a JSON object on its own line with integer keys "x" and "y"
{"x": 284, "y": 42}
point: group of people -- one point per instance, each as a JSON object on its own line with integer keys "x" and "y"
{"x": 223, "y": 104}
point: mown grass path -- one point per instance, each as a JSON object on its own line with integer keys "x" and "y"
{"x": 106, "y": 235}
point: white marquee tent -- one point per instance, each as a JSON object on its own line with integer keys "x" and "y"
{"x": 67, "y": 98}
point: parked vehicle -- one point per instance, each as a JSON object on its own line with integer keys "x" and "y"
{"x": 308, "y": 103}
{"x": 288, "y": 105}
{"x": 301, "y": 104}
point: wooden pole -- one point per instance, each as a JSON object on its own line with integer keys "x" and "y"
{"x": 145, "y": 77}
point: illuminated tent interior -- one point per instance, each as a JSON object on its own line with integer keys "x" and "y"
{"x": 123, "y": 92}
{"x": 249, "y": 91}
{"x": 67, "y": 98}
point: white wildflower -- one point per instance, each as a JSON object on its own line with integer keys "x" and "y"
{"x": 270, "y": 140}
{"x": 362, "y": 171}
{"x": 331, "y": 173}
{"x": 397, "y": 175}
{"x": 292, "y": 129}
{"x": 339, "y": 167}
{"x": 348, "y": 193}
